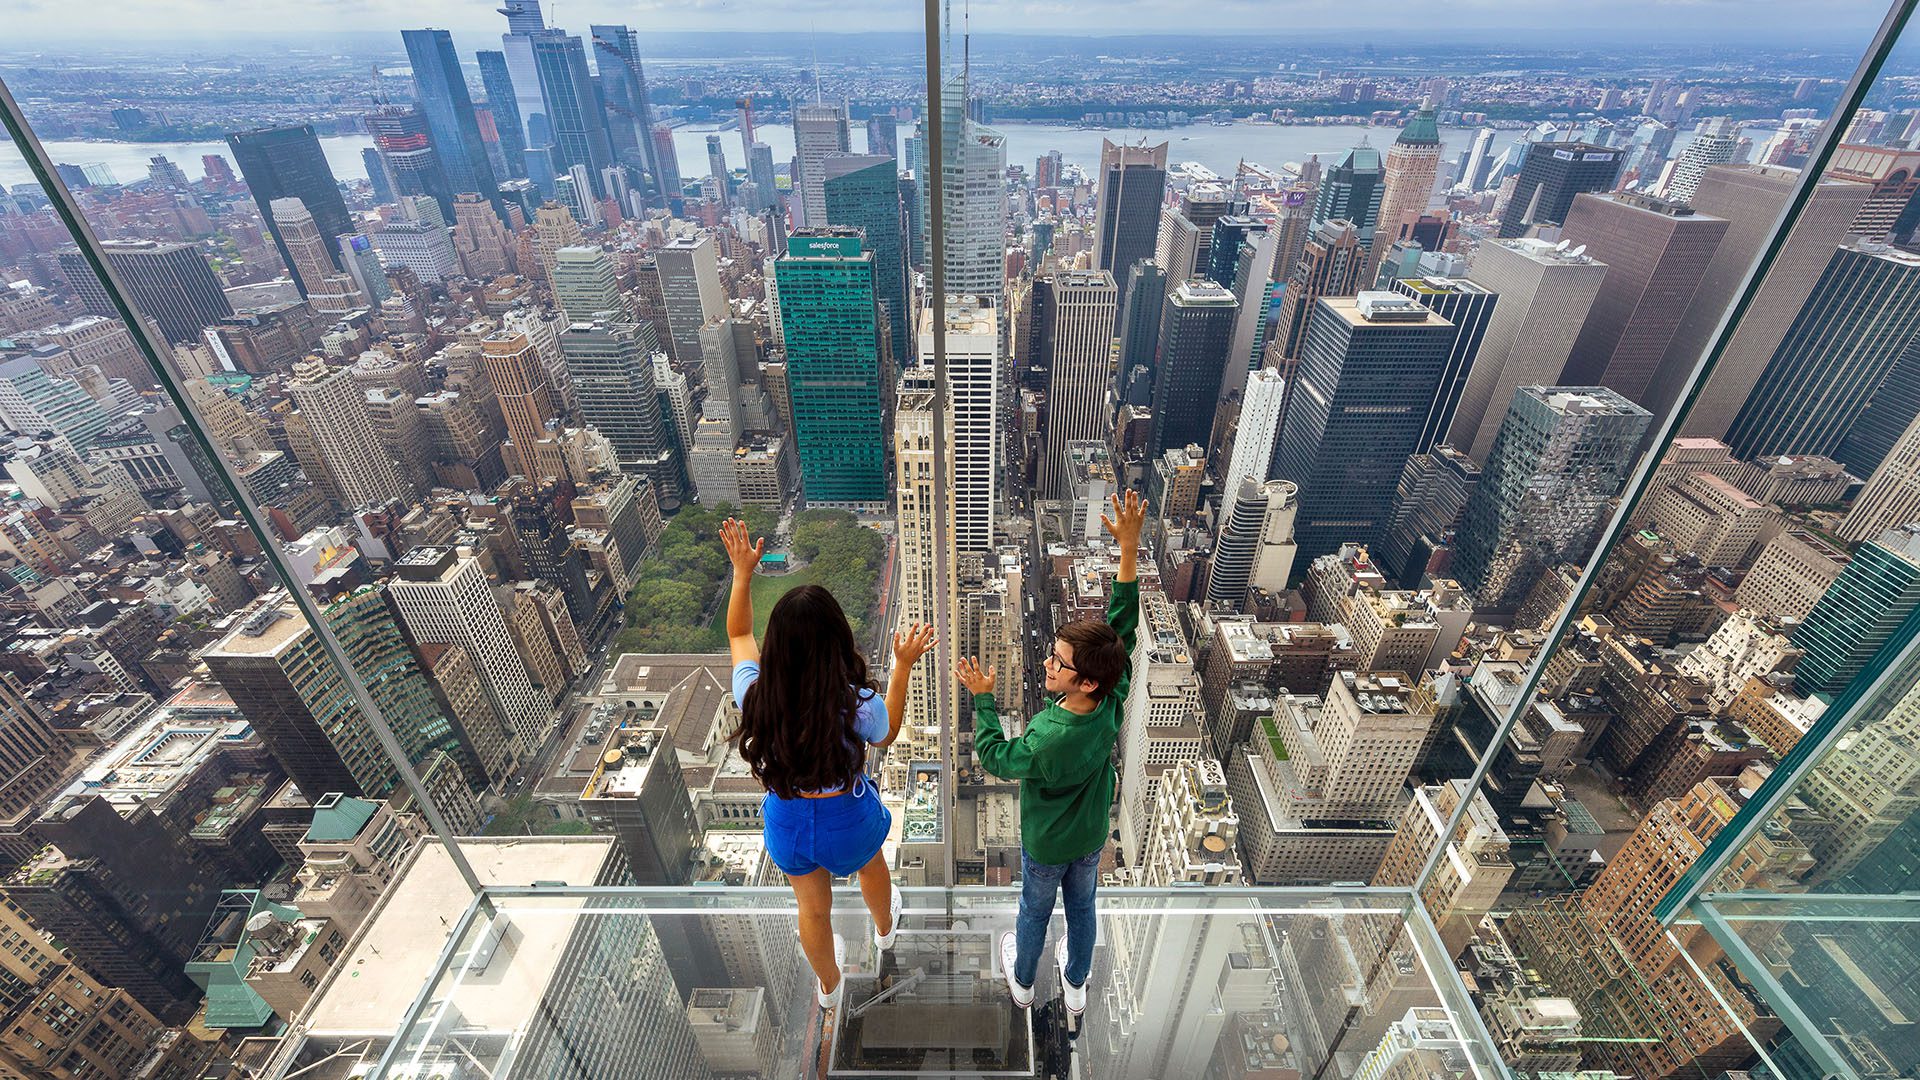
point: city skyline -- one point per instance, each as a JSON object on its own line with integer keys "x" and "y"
{"x": 493, "y": 326}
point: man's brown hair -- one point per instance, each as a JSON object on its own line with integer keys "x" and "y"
{"x": 1098, "y": 656}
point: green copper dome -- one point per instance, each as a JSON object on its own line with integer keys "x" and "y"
{"x": 1422, "y": 130}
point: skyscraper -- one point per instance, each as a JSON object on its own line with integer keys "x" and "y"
{"x": 1749, "y": 199}
{"x": 1468, "y": 306}
{"x": 863, "y": 190}
{"x": 1412, "y": 168}
{"x": 717, "y": 168}
{"x": 1433, "y": 490}
{"x": 1714, "y": 145}
{"x": 336, "y": 412}
{"x": 1073, "y": 322}
{"x": 914, "y": 505}
{"x": 1368, "y": 373}
{"x": 1254, "y": 435}
{"x": 1255, "y": 541}
{"x": 1205, "y": 206}
{"x": 1860, "y": 612}
{"x": 830, "y": 317}
{"x": 1351, "y": 191}
{"x": 497, "y": 80}
{"x": 273, "y": 667}
{"x": 519, "y": 380}
{"x": 1196, "y": 333}
{"x": 409, "y": 161}
{"x": 611, "y": 365}
{"x": 883, "y": 135}
{"x": 690, "y": 289}
{"x": 766, "y": 193}
{"x": 1474, "y": 176}
{"x": 579, "y": 130}
{"x": 442, "y": 93}
{"x": 1253, "y": 285}
{"x": 972, "y": 167}
{"x": 584, "y": 284}
{"x": 623, "y": 83}
{"x": 171, "y": 284}
{"x": 444, "y": 599}
{"x": 973, "y": 380}
{"x": 1562, "y": 455}
{"x": 287, "y": 163}
{"x": 1131, "y": 188}
{"x": 668, "y": 162}
{"x": 1891, "y": 496}
{"x": 32, "y": 402}
{"x": 524, "y": 23}
{"x": 1329, "y": 265}
{"x": 1176, "y": 244}
{"x": 1861, "y": 314}
{"x": 1656, "y": 253}
{"x": 1545, "y": 294}
{"x": 327, "y": 289}
{"x": 819, "y": 131}
{"x": 1552, "y": 174}
{"x": 1138, "y": 330}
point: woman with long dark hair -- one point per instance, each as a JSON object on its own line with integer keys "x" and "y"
{"x": 808, "y": 712}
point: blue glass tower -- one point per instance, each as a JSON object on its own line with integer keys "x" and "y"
{"x": 573, "y": 110}
{"x": 498, "y": 82}
{"x": 442, "y": 90}
{"x": 831, "y": 319}
{"x": 863, "y": 190}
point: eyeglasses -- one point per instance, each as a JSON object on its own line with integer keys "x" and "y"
{"x": 1053, "y": 658}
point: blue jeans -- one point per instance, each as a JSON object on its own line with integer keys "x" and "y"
{"x": 1077, "y": 880}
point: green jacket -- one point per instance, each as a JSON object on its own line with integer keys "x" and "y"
{"x": 1065, "y": 760}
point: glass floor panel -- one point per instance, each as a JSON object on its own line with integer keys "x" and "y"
{"x": 581, "y": 983}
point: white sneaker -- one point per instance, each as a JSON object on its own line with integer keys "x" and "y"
{"x": 1076, "y": 996}
{"x": 885, "y": 941}
{"x": 1009, "y": 951}
{"x": 826, "y": 1000}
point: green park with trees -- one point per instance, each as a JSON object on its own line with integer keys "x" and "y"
{"x": 678, "y": 601}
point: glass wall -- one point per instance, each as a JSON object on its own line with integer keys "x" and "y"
{"x": 1523, "y": 419}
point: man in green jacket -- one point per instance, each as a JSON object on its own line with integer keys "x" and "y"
{"x": 1064, "y": 764}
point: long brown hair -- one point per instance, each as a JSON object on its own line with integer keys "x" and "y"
{"x": 796, "y": 725}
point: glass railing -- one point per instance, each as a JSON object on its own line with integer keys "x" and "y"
{"x": 601, "y": 982}
{"x": 362, "y": 642}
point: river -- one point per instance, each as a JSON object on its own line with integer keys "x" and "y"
{"x": 1219, "y": 148}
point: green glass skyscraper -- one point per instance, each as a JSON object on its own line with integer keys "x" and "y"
{"x": 1859, "y": 612}
{"x": 831, "y": 319}
{"x": 863, "y": 190}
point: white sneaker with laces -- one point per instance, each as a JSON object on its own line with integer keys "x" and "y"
{"x": 1076, "y": 996}
{"x": 1009, "y": 952}
{"x": 832, "y": 1000}
{"x": 885, "y": 941}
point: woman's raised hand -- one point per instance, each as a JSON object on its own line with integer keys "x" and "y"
{"x": 744, "y": 553}
{"x": 912, "y": 644}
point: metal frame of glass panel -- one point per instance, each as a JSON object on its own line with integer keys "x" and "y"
{"x": 141, "y": 331}
{"x": 1871, "y": 61}
{"x": 1892, "y": 670}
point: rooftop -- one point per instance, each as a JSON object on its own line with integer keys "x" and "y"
{"x": 398, "y": 948}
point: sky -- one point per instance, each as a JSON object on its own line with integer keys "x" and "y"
{"x": 1789, "y": 22}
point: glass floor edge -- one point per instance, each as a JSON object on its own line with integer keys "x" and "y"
{"x": 708, "y": 981}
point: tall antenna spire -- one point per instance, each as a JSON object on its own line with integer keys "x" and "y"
{"x": 813, "y": 36}
{"x": 966, "y": 59}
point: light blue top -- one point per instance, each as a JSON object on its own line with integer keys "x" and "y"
{"x": 870, "y": 723}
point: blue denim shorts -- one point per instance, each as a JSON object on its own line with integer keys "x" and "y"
{"x": 840, "y": 832}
